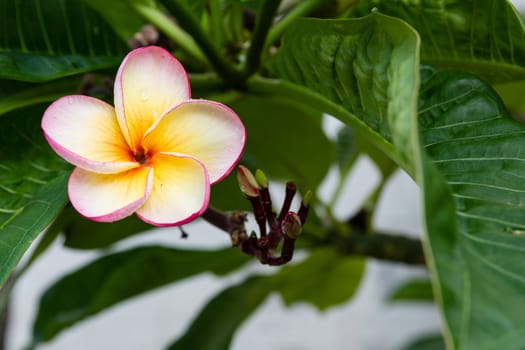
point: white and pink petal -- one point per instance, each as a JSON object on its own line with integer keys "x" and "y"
{"x": 206, "y": 130}
{"x": 149, "y": 82}
{"x": 109, "y": 197}
{"x": 180, "y": 193}
{"x": 85, "y": 132}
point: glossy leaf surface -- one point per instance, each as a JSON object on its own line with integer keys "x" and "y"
{"x": 72, "y": 38}
{"x": 471, "y": 188}
{"x": 120, "y": 276}
{"x": 285, "y": 140}
{"x": 82, "y": 233}
{"x": 32, "y": 185}
{"x": 324, "y": 279}
{"x": 226, "y": 311}
{"x": 413, "y": 290}
{"x": 483, "y": 37}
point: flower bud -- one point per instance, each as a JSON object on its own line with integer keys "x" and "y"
{"x": 261, "y": 178}
{"x": 307, "y": 198}
{"x": 291, "y": 225}
{"x": 247, "y": 182}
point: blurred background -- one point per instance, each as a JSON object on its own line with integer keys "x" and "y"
{"x": 367, "y": 322}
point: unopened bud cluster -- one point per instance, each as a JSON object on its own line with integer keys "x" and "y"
{"x": 273, "y": 228}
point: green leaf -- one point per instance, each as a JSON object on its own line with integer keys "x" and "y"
{"x": 478, "y": 150}
{"x": 120, "y": 276}
{"x": 227, "y": 196}
{"x": 346, "y": 68}
{"x": 471, "y": 183}
{"x": 285, "y": 139}
{"x": 124, "y": 25}
{"x": 325, "y": 279}
{"x": 414, "y": 290}
{"x": 32, "y": 185}
{"x": 214, "y": 327}
{"x": 195, "y": 7}
{"x": 43, "y": 41}
{"x": 429, "y": 342}
{"x": 512, "y": 95}
{"x": 82, "y": 233}
{"x": 346, "y": 149}
{"x": 23, "y": 225}
{"x": 483, "y": 37}
{"x": 14, "y": 94}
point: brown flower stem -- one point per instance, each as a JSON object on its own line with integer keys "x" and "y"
{"x": 286, "y": 253}
{"x": 218, "y": 219}
{"x": 267, "y": 205}
{"x": 291, "y": 189}
{"x": 303, "y": 212}
{"x": 259, "y": 213}
{"x": 232, "y": 223}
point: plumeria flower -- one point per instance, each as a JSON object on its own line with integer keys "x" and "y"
{"x": 155, "y": 154}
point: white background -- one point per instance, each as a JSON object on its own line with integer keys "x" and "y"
{"x": 154, "y": 320}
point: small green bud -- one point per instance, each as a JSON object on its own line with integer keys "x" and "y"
{"x": 247, "y": 182}
{"x": 291, "y": 225}
{"x": 261, "y": 178}
{"x": 307, "y": 198}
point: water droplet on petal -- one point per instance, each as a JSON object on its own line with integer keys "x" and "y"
{"x": 144, "y": 94}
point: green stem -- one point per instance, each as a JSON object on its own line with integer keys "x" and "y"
{"x": 236, "y": 22}
{"x": 216, "y": 22}
{"x": 262, "y": 26}
{"x": 172, "y": 31}
{"x": 382, "y": 246}
{"x": 205, "y": 81}
{"x": 304, "y": 8}
{"x": 274, "y": 87}
{"x": 187, "y": 21}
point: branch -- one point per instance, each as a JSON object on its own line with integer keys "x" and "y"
{"x": 172, "y": 31}
{"x": 304, "y": 8}
{"x": 358, "y": 240}
{"x": 187, "y": 21}
{"x": 264, "y": 22}
{"x": 382, "y": 246}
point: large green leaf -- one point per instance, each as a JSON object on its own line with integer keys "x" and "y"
{"x": 429, "y": 342}
{"x": 195, "y": 7}
{"x": 478, "y": 149}
{"x": 116, "y": 277}
{"x": 120, "y": 16}
{"x": 413, "y": 290}
{"x": 15, "y": 94}
{"x": 285, "y": 139}
{"x": 485, "y": 37}
{"x": 42, "y": 40}
{"x": 82, "y": 233}
{"x": 473, "y": 198}
{"x": 214, "y": 327}
{"x": 227, "y": 196}
{"x": 326, "y": 278}
{"x": 32, "y": 185}
{"x": 356, "y": 71}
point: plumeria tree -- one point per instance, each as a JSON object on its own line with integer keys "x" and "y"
{"x": 120, "y": 117}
